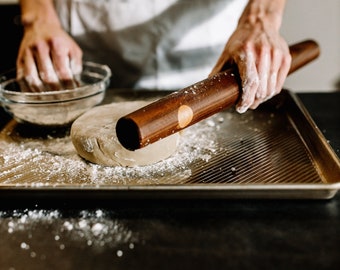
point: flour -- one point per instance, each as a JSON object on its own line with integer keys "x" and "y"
{"x": 51, "y": 161}
{"x": 95, "y": 229}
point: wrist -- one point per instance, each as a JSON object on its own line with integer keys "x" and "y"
{"x": 267, "y": 13}
{"x": 37, "y": 12}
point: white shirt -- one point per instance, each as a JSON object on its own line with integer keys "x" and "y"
{"x": 152, "y": 44}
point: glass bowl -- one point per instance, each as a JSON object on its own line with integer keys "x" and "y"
{"x": 55, "y": 108}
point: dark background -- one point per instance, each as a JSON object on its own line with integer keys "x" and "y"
{"x": 11, "y": 33}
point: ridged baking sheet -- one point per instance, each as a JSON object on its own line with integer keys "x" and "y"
{"x": 276, "y": 151}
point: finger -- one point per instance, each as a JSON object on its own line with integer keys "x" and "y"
{"x": 46, "y": 69}
{"x": 283, "y": 71}
{"x": 67, "y": 61}
{"x": 20, "y": 69}
{"x": 63, "y": 68}
{"x": 274, "y": 69}
{"x": 280, "y": 67}
{"x": 61, "y": 61}
{"x": 76, "y": 63}
{"x": 272, "y": 86}
{"x": 263, "y": 67}
{"x": 268, "y": 79}
{"x": 23, "y": 87}
{"x": 217, "y": 68}
{"x": 250, "y": 81}
{"x": 29, "y": 72}
{"x": 222, "y": 64}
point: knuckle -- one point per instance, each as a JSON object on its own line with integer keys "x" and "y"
{"x": 48, "y": 77}
{"x": 277, "y": 53}
{"x": 286, "y": 60}
{"x": 39, "y": 46}
{"x": 63, "y": 74}
{"x": 56, "y": 42}
{"x": 265, "y": 49}
{"x": 254, "y": 82}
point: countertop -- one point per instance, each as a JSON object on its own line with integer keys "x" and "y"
{"x": 186, "y": 234}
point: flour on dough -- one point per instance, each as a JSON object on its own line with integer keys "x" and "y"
{"x": 94, "y": 137}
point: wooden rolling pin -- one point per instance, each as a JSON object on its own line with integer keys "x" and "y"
{"x": 194, "y": 103}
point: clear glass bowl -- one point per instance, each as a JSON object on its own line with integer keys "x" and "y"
{"x": 55, "y": 108}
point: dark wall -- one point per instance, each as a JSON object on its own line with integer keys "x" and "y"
{"x": 11, "y": 33}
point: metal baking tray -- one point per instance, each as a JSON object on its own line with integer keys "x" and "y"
{"x": 276, "y": 151}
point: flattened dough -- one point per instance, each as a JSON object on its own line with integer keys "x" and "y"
{"x": 94, "y": 136}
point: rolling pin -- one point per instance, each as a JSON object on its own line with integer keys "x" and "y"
{"x": 194, "y": 103}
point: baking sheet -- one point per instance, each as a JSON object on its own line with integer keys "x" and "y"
{"x": 276, "y": 151}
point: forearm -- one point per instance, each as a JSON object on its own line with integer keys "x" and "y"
{"x": 38, "y": 11}
{"x": 264, "y": 12}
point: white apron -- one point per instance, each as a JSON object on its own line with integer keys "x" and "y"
{"x": 152, "y": 44}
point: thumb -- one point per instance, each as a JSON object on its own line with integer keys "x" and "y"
{"x": 222, "y": 64}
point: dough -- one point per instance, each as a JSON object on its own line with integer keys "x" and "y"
{"x": 94, "y": 136}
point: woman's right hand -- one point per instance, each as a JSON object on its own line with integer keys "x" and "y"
{"x": 48, "y": 57}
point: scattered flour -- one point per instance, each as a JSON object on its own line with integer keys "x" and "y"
{"x": 53, "y": 161}
{"x": 96, "y": 229}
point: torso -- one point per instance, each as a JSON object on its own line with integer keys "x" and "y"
{"x": 152, "y": 44}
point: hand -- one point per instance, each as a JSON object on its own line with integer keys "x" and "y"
{"x": 263, "y": 61}
{"x": 48, "y": 58}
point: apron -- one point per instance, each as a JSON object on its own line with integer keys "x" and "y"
{"x": 151, "y": 44}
